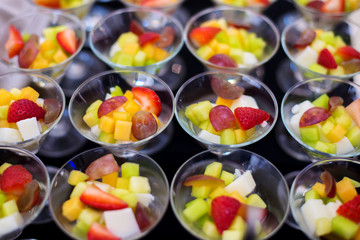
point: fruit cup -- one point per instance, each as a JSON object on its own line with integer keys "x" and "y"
{"x": 42, "y": 42}
{"x": 137, "y": 39}
{"x": 167, "y": 6}
{"x": 206, "y": 185}
{"x": 78, "y": 8}
{"x": 29, "y": 124}
{"x": 218, "y": 108}
{"x": 231, "y": 39}
{"x": 22, "y": 209}
{"x": 111, "y": 109}
{"x": 331, "y": 214}
{"x": 254, "y": 5}
{"x": 134, "y": 182}
{"x": 322, "y": 115}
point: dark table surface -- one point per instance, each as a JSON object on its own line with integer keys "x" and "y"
{"x": 173, "y": 155}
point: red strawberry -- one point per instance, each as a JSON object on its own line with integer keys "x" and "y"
{"x": 99, "y": 232}
{"x": 249, "y": 117}
{"x": 14, "y": 43}
{"x": 315, "y": 4}
{"x": 24, "y": 108}
{"x": 148, "y": 37}
{"x": 97, "y": 198}
{"x": 333, "y": 6}
{"x": 49, "y": 3}
{"x": 14, "y": 179}
{"x": 351, "y": 209}
{"x": 67, "y": 40}
{"x": 148, "y": 99}
{"x": 136, "y": 28}
{"x": 223, "y": 211}
{"x": 348, "y": 53}
{"x": 202, "y": 35}
{"x": 326, "y": 59}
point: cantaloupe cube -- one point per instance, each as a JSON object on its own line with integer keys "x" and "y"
{"x": 122, "y": 182}
{"x": 131, "y": 48}
{"x": 60, "y": 56}
{"x": 345, "y": 190}
{"x": 131, "y": 107}
{"x": 111, "y": 179}
{"x": 319, "y": 189}
{"x": 336, "y": 134}
{"x": 72, "y": 208}
{"x": 47, "y": 45}
{"x": 160, "y": 54}
{"x": 107, "y": 124}
{"x": 129, "y": 95}
{"x": 353, "y": 109}
{"x": 149, "y": 50}
{"x": 40, "y": 62}
{"x": 76, "y": 176}
{"x": 218, "y": 191}
{"x": 122, "y": 130}
{"x": 29, "y": 93}
{"x": 5, "y": 98}
{"x": 223, "y": 101}
{"x": 123, "y": 116}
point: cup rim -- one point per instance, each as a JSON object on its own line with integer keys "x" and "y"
{"x": 106, "y": 60}
{"x": 226, "y": 146}
{"x": 63, "y": 103}
{"x": 144, "y": 156}
{"x": 227, "y": 8}
{"x": 173, "y": 193}
{"x": 32, "y": 2}
{"x": 255, "y": 8}
{"x": 161, "y": 8}
{"x": 307, "y": 147}
{"x": 119, "y": 146}
{"x": 323, "y": 14}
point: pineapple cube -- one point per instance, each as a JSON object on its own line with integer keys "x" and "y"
{"x": 29, "y": 93}
{"x": 72, "y": 208}
{"x": 3, "y": 167}
{"x": 237, "y": 196}
{"x": 16, "y": 93}
{"x": 107, "y": 124}
{"x": 149, "y": 50}
{"x": 319, "y": 189}
{"x": 139, "y": 184}
{"x": 130, "y": 199}
{"x": 122, "y": 130}
{"x": 122, "y": 182}
{"x": 4, "y": 123}
{"x": 240, "y": 135}
{"x": 219, "y": 191}
{"x": 131, "y": 107}
{"x": 9, "y": 207}
{"x": 336, "y": 134}
{"x": 160, "y": 54}
{"x": 222, "y": 48}
{"x": 129, "y": 95}
{"x": 5, "y": 98}
{"x": 47, "y": 45}
{"x": 60, "y": 56}
{"x": 89, "y": 216}
{"x": 111, "y": 179}
{"x": 40, "y": 62}
{"x": 76, "y": 176}
{"x": 131, "y": 48}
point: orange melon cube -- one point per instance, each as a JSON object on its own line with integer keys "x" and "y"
{"x": 48, "y": 48}
{"x": 237, "y": 196}
{"x": 71, "y": 208}
{"x": 130, "y": 48}
{"x": 345, "y": 190}
{"x": 29, "y": 93}
{"x": 353, "y": 109}
{"x": 122, "y": 130}
{"x": 107, "y": 124}
{"x": 223, "y": 101}
{"x": 319, "y": 189}
{"x": 336, "y": 134}
{"x": 160, "y": 54}
{"x": 129, "y": 95}
{"x": 40, "y": 62}
{"x": 149, "y": 50}
{"x": 60, "y": 56}
{"x": 123, "y": 116}
{"x": 5, "y": 97}
{"x": 131, "y": 107}
{"x": 111, "y": 179}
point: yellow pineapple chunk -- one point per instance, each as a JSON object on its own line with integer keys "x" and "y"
{"x": 223, "y": 101}
{"x": 237, "y": 196}
{"x": 222, "y": 48}
{"x": 76, "y": 176}
{"x": 149, "y": 50}
{"x": 131, "y": 48}
{"x": 240, "y": 135}
{"x": 60, "y": 56}
{"x": 40, "y": 62}
{"x": 131, "y": 107}
{"x": 218, "y": 191}
{"x": 123, "y": 116}
{"x": 122, "y": 130}
{"x": 129, "y": 95}
{"x": 4, "y": 123}
{"x": 111, "y": 179}
{"x": 16, "y": 93}
{"x": 72, "y": 208}
{"x": 5, "y": 98}
{"x": 319, "y": 189}
{"x": 107, "y": 124}
{"x": 29, "y": 93}
{"x": 160, "y": 54}
{"x": 122, "y": 183}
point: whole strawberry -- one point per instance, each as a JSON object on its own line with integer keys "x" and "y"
{"x": 249, "y": 117}
{"x": 351, "y": 209}
{"x": 22, "y": 109}
{"x": 223, "y": 211}
{"x": 14, "y": 179}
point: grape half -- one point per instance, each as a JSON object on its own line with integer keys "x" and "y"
{"x": 143, "y": 125}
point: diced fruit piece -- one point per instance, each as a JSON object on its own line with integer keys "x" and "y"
{"x": 52, "y": 108}
{"x": 139, "y": 184}
{"x": 9, "y": 207}
{"x": 130, "y": 199}
{"x": 195, "y": 210}
{"x": 14, "y": 179}
{"x": 106, "y": 137}
{"x": 343, "y": 227}
{"x": 203, "y": 180}
{"x": 110, "y": 179}
{"x": 336, "y": 134}
{"x": 353, "y": 109}
{"x": 110, "y": 105}
{"x": 227, "y": 136}
{"x": 354, "y": 136}
{"x": 311, "y": 194}
{"x": 101, "y": 167}
{"x": 249, "y": 117}
{"x": 142, "y": 216}
{"x": 223, "y": 211}
{"x": 136, "y": 28}
{"x": 88, "y": 216}
{"x": 28, "y": 52}
{"x": 200, "y": 192}
{"x": 213, "y": 169}
{"x": 143, "y": 125}
{"x": 78, "y": 189}
{"x": 202, "y": 35}
{"x": 227, "y": 177}
{"x": 127, "y": 229}
{"x": 72, "y": 208}
{"x": 221, "y": 117}
{"x": 223, "y": 60}
{"x": 330, "y": 184}
{"x": 314, "y": 209}
{"x": 91, "y": 118}
{"x": 255, "y": 201}
{"x": 345, "y": 190}
{"x": 323, "y": 226}
{"x": 129, "y": 170}
{"x": 29, "y": 197}
{"x": 67, "y": 40}
{"x": 148, "y": 38}
{"x": 348, "y": 52}
{"x": 306, "y": 37}
{"x": 148, "y": 99}
{"x": 313, "y": 116}
{"x": 333, "y": 6}
{"x": 122, "y": 130}
{"x": 318, "y": 68}
{"x": 14, "y": 42}
{"x": 326, "y": 59}
{"x": 22, "y": 109}
{"x": 351, "y": 209}
{"x": 244, "y": 184}
{"x": 342, "y": 117}
{"x": 98, "y": 231}
{"x": 76, "y": 176}
{"x": 322, "y": 101}
{"x": 320, "y": 189}
{"x": 209, "y": 228}
{"x": 202, "y": 110}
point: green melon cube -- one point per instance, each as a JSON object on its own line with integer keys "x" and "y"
{"x": 200, "y": 223}
{"x": 209, "y": 228}
{"x": 139, "y": 59}
{"x": 91, "y": 118}
{"x": 94, "y": 106}
{"x": 328, "y": 37}
{"x": 255, "y": 200}
{"x": 234, "y": 42}
{"x": 106, "y": 137}
{"x": 309, "y": 133}
{"x": 317, "y": 68}
{"x": 80, "y": 229}
{"x": 116, "y": 91}
{"x": 227, "y": 136}
{"x": 51, "y": 32}
{"x": 129, "y": 170}
{"x": 354, "y": 136}
{"x": 342, "y": 117}
{"x": 322, "y": 226}
{"x": 130, "y": 199}
{"x": 222, "y": 37}
{"x": 205, "y": 52}
{"x": 190, "y": 114}
{"x": 327, "y": 126}
{"x": 256, "y": 46}
{"x": 325, "y": 147}
{"x": 119, "y": 192}
{"x": 78, "y": 189}
{"x": 344, "y": 227}
{"x": 128, "y": 37}
{"x": 311, "y": 194}
{"x": 124, "y": 59}
{"x": 9, "y": 207}
{"x": 236, "y": 54}
{"x": 227, "y": 177}
{"x": 4, "y": 111}
{"x": 89, "y": 215}
{"x": 339, "y": 42}
{"x": 213, "y": 169}
{"x": 196, "y": 210}
{"x": 200, "y": 192}
{"x": 202, "y": 110}
{"x": 322, "y": 101}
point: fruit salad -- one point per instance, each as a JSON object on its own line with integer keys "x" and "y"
{"x": 61, "y": 4}
{"x": 224, "y": 204}
{"x": 227, "y": 45}
{"x": 331, "y": 208}
{"x": 245, "y": 3}
{"x": 153, "y": 3}
{"x": 326, "y": 53}
{"x": 233, "y": 118}
{"x": 125, "y": 117}
{"x": 109, "y": 201}
{"x": 32, "y": 51}
{"x": 19, "y": 193}
{"x": 330, "y": 6}
{"x": 25, "y": 115}
{"x": 138, "y": 47}
{"x": 326, "y": 125}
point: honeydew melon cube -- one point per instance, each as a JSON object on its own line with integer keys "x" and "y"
{"x": 322, "y": 101}
{"x": 234, "y": 42}
{"x": 244, "y": 184}
{"x": 222, "y": 37}
{"x": 327, "y": 126}
{"x": 311, "y": 194}
{"x": 227, "y": 136}
{"x": 78, "y": 189}
{"x": 303, "y": 2}
{"x": 51, "y": 32}
{"x": 139, "y": 184}
{"x": 28, "y": 128}
{"x": 344, "y": 227}
{"x": 306, "y": 57}
{"x": 145, "y": 198}
{"x": 318, "y": 68}
{"x": 89, "y": 215}
{"x": 72, "y": 208}
{"x": 256, "y": 46}
{"x": 339, "y": 42}
{"x": 342, "y": 117}
{"x": 236, "y": 54}
{"x": 244, "y": 101}
{"x": 122, "y": 182}
{"x": 309, "y": 133}
{"x": 339, "y": 71}
{"x": 256, "y": 201}
{"x": 210, "y": 229}
{"x": 9, "y": 207}
{"x": 129, "y": 170}
{"x": 202, "y": 109}
{"x": 3, "y": 167}
{"x": 119, "y": 192}
{"x": 10, "y": 223}
{"x": 4, "y": 111}
{"x": 205, "y": 52}
{"x": 213, "y": 169}
{"x": 249, "y": 59}
{"x": 354, "y": 136}
{"x": 201, "y": 192}
{"x": 240, "y": 3}
{"x": 128, "y": 228}
{"x": 123, "y": 59}
{"x": 139, "y": 59}
{"x": 227, "y": 177}
{"x": 328, "y": 37}
{"x": 231, "y": 235}
{"x": 323, "y": 226}
{"x": 344, "y": 146}
{"x": 128, "y": 37}
{"x": 130, "y": 199}
{"x": 196, "y": 210}
{"x": 190, "y": 114}
{"x": 80, "y": 228}
{"x": 312, "y": 210}
{"x": 325, "y": 147}
{"x": 106, "y": 137}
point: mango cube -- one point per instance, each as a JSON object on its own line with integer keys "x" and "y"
{"x": 160, "y": 54}
{"x": 5, "y": 98}
{"x": 110, "y": 179}
{"x": 122, "y": 130}
{"x": 107, "y": 124}
{"x": 29, "y": 93}
{"x": 131, "y": 48}
{"x": 122, "y": 182}
{"x": 131, "y": 106}
{"x": 72, "y": 208}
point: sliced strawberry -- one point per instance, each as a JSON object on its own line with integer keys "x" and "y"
{"x": 155, "y": 3}
{"x": 348, "y": 53}
{"x": 136, "y": 28}
{"x": 148, "y": 37}
{"x": 24, "y": 108}
{"x": 14, "y": 179}
{"x": 14, "y": 43}
{"x": 202, "y": 35}
{"x": 67, "y": 40}
{"x": 257, "y": 2}
{"x": 326, "y": 59}
{"x": 48, "y": 3}
{"x": 351, "y": 209}
{"x": 315, "y": 4}
{"x": 249, "y": 117}
{"x": 99, "y": 232}
{"x": 148, "y": 99}
{"x": 223, "y": 211}
{"x": 99, "y": 199}
{"x": 333, "y": 6}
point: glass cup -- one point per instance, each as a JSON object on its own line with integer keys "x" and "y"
{"x": 34, "y": 165}
{"x": 167, "y": 6}
{"x": 245, "y": 20}
{"x": 98, "y": 86}
{"x": 199, "y": 88}
{"x": 256, "y": 6}
{"x": 310, "y": 90}
{"x": 338, "y": 167}
{"x": 35, "y": 23}
{"x": 270, "y": 186}
{"x": 47, "y": 88}
{"x": 105, "y": 34}
{"x": 61, "y": 190}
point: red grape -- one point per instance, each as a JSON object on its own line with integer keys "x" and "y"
{"x": 29, "y": 52}
{"x": 313, "y": 116}
{"x": 330, "y": 184}
{"x": 351, "y": 66}
{"x": 306, "y": 38}
{"x": 142, "y": 216}
{"x": 143, "y": 125}
{"x": 52, "y": 109}
{"x": 110, "y": 105}
{"x": 166, "y": 37}
{"x": 30, "y": 196}
{"x": 223, "y": 60}
{"x": 224, "y": 89}
{"x": 221, "y": 117}
{"x": 335, "y": 101}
